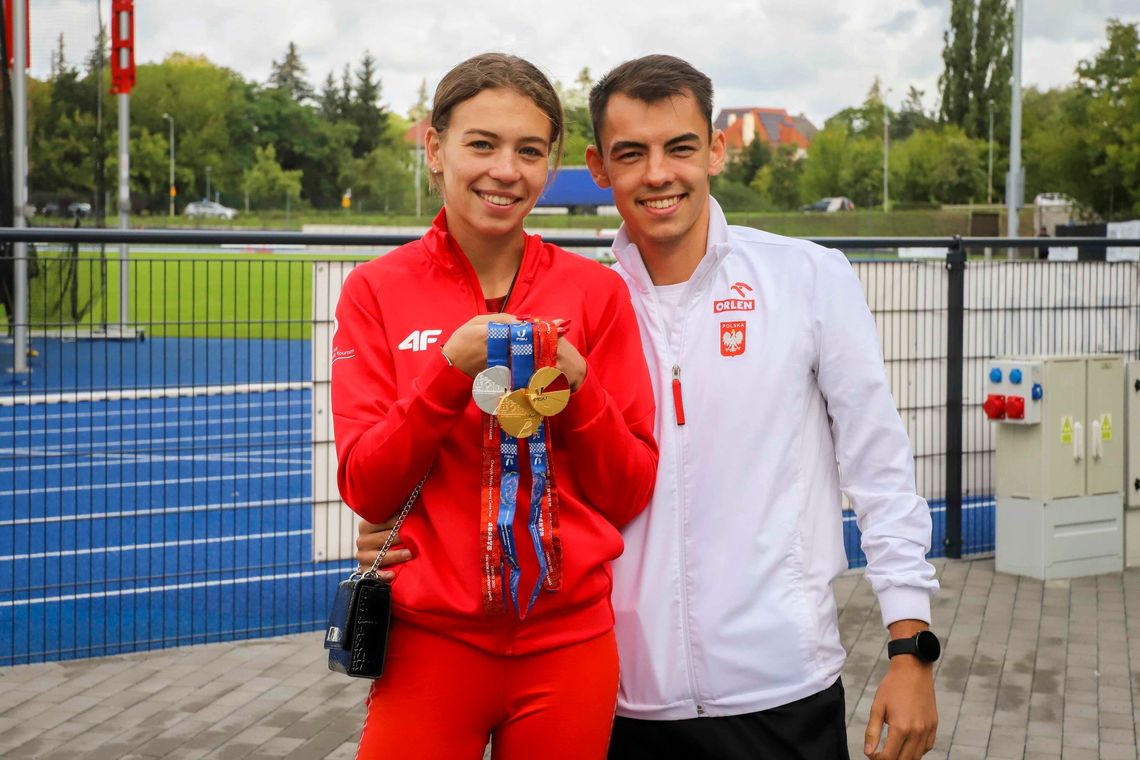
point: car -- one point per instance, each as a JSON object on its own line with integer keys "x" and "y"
{"x": 78, "y": 208}
{"x": 837, "y": 203}
{"x": 51, "y": 208}
{"x": 209, "y": 210}
{"x": 1052, "y": 199}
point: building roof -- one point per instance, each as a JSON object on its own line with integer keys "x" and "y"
{"x": 774, "y": 125}
{"x": 410, "y": 137}
{"x": 573, "y": 186}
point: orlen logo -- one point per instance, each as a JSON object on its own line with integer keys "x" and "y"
{"x": 419, "y": 340}
{"x": 744, "y": 303}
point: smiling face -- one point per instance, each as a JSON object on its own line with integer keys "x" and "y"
{"x": 658, "y": 157}
{"x": 493, "y": 159}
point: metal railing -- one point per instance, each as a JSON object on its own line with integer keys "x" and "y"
{"x": 177, "y": 489}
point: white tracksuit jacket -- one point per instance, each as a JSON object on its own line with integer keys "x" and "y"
{"x": 723, "y": 596}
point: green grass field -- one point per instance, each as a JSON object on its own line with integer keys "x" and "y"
{"x": 231, "y": 295}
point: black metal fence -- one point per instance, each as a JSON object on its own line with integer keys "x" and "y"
{"x": 166, "y": 476}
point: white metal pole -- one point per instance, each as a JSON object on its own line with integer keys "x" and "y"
{"x": 170, "y": 190}
{"x": 990, "y": 170}
{"x": 419, "y": 164}
{"x": 124, "y": 207}
{"x": 19, "y": 186}
{"x": 1014, "y": 186}
{"x": 886, "y": 154}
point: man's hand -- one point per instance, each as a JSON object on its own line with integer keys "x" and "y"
{"x": 905, "y": 702}
{"x": 370, "y": 537}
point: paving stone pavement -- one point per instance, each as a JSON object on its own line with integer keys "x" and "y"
{"x": 1030, "y": 670}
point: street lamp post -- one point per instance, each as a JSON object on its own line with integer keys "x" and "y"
{"x": 170, "y": 118}
{"x": 207, "y": 183}
{"x": 886, "y": 153}
{"x": 990, "y": 171}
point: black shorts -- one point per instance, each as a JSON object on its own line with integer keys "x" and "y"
{"x": 812, "y": 728}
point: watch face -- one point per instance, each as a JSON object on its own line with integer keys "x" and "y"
{"x": 928, "y": 646}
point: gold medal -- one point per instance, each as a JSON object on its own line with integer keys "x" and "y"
{"x": 516, "y": 416}
{"x": 548, "y": 391}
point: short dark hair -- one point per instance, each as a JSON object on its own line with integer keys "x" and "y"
{"x": 650, "y": 79}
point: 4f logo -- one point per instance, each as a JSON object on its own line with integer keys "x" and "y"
{"x": 419, "y": 340}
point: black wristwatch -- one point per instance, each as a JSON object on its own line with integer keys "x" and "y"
{"x": 924, "y": 645}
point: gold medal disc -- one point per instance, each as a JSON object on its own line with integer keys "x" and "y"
{"x": 548, "y": 391}
{"x": 516, "y": 416}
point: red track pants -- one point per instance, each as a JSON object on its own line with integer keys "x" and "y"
{"x": 440, "y": 699}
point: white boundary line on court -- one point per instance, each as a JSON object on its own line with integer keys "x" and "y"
{"x": 174, "y": 587}
{"x": 26, "y": 413}
{"x": 154, "y": 545}
{"x": 124, "y": 484}
{"x": 136, "y": 394}
{"x": 128, "y": 460}
{"x": 293, "y": 417}
{"x": 158, "y": 511}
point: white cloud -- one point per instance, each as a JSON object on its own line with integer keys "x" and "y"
{"x": 813, "y": 56}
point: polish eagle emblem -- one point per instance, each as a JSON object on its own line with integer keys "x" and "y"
{"x": 732, "y": 340}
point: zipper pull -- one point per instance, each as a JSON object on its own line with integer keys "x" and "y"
{"x": 678, "y": 401}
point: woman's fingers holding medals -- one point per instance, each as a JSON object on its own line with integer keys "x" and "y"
{"x": 370, "y": 537}
{"x": 570, "y": 360}
{"x": 467, "y": 346}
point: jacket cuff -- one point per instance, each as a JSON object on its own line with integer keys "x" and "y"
{"x": 445, "y": 386}
{"x": 586, "y": 403}
{"x": 904, "y": 603}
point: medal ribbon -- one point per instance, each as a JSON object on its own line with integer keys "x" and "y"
{"x": 498, "y": 337}
{"x": 552, "y": 539}
{"x": 543, "y": 497}
{"x": 522, "y": 367}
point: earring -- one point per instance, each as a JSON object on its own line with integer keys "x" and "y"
{"x": 435, "y": 170}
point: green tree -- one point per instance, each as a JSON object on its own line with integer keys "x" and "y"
{"x": 1110, "y": 85}
{"x": 579, "y": 130}
{"x": 911, "y": 117}
{"x": 778, "y": 182}
{"x": 942, "y": 165}
{"x": 364, "y": 110}
{"x": 382, "y": 181}
{"x": 978, "y": 61}
{"x": 267, "y": 184}
{"x": 290, "y": 75}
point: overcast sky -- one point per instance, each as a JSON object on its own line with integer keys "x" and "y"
{"x": 809, "y": 56}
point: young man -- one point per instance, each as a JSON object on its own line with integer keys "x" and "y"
{"x": 768, "y": 374}
{"x": 771, "y": 401}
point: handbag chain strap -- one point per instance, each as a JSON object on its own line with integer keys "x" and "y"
{"x": 371, "y": 572}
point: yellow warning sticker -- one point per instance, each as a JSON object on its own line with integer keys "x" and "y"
{"x": 1106, "y": 427}
{"x": 1066, "y": 430}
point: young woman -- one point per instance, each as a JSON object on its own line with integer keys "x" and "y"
{"x": 478, "y": 650}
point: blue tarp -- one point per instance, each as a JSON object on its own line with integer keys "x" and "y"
{"x": 573, "y": 186}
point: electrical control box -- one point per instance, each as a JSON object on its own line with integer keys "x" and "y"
{"x": 1042, "y": 459}
{"x": 1059, "y": 439}
{"x": 1132, "y": 435}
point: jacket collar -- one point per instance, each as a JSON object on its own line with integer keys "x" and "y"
{"x": 443, "y": 249}
{"x": 629, "y": 257}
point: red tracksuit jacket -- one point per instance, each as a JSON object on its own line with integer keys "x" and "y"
{"x": 400, "y": 408}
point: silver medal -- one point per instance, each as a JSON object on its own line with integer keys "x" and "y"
{"x": 490, "y": 386}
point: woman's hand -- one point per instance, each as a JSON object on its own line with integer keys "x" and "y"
{"x": 570, "y": 361}
{"x": 467, "y": 346}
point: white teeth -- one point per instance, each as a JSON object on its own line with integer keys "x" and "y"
{"x": 498, "y": 200}
{"x": 664, "y": 202}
